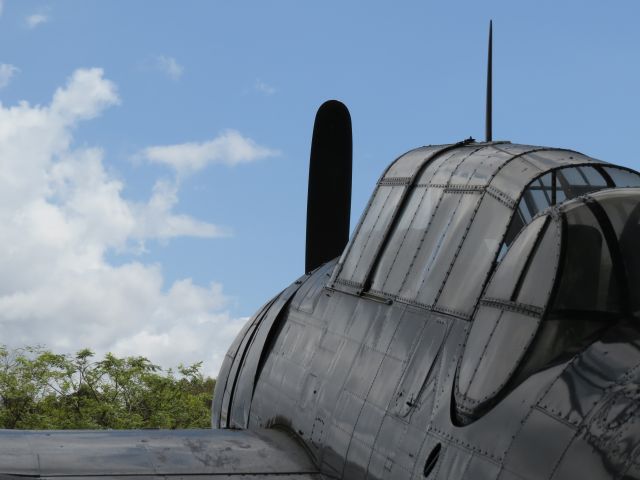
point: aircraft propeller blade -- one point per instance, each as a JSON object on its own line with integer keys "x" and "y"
{"x": 329, "y": 194}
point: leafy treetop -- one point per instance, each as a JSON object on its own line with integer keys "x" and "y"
{"x": 43, "y": 390}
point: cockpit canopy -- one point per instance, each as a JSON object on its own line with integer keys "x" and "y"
{"x": 443, "y": 216}
{"x": 569, "y": 274}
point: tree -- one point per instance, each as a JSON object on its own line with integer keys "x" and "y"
{"x": 43, "y": 390}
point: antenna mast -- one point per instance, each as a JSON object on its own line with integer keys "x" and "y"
{"x": 488, "y": 136}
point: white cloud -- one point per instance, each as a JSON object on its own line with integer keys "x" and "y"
{"x": 263, "y": 87}
{"x": 170, "y": 67}
{"x": 155, "y": 219}
{"x": 7, "y": 71}
{"x": 36, "y": 19}
{"x": 85, "y": 95}
{"x": 228, "y": 148}
{"x": 61, "y": 213}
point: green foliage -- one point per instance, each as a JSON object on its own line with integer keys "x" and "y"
{"x": 43, "y": 390}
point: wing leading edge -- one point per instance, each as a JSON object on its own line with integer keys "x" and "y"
{"x": 153, "y": 454}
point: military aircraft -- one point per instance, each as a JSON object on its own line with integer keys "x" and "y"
{"x": 481, "y": 323}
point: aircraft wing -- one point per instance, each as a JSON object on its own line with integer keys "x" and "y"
{"x": 149, "y": 454}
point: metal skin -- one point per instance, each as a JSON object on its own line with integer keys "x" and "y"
{"x": 444, "y": 344}
{"x": 143, "y": 454}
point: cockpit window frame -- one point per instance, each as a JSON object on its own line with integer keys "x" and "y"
{"x": 556, "y": 181}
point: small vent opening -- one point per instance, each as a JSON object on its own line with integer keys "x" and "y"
{"x": 432, "y": 460}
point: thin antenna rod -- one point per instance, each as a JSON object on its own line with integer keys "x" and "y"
{"x": 488, "y": 118}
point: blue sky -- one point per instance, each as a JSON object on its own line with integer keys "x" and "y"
{"x": 185, "y": 74}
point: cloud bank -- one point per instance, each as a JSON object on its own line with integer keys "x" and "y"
{"x": 62, "y": 212}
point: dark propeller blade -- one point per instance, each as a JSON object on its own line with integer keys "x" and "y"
{"x": 329, "y": 195}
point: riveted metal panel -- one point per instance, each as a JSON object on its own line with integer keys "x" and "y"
{"x": 376, "y": 235}
{"x": 361, "y": 240}
{"x": 405, "y": 241}
{"x": 481, "y": 467}
{"x": 485, "y": 321}
{"x": 384, "y": 326}
{"x": 426, "y": 175}
{"x": 418, "y": 370}
{"x": 580, "y": 460}
{"x": 439, "y": 247}
{"x": 614, "y": 428}
{"x": 358, "y": 456}
{"x": 539, "y": 278}
{"x": 390, "y": 436}
{"x": 532, "y": 457}
{"x": 479, "y": 437}
{"x": 334, "y": 454}
{"x": 384, "y": 466}
{"x": 490, "y": 161}
{"x": 508, "y": 339}
{"x": 422, "y": 258}
{"x": 445, "y": 170}
{"x": 473, "y": 262}
{"x": 223, "y": 394}
{"x": 409, "y": 164}
{"x": 514, "y": 176}
{"x": 382, "y": 388}
{"x": 407, "y": 334}
{"x": 408, "y": 448}
{"x": 396, "y": 237}
{"x": 602, "y": 368}
{"x": 357, "y": 330}
{"x": 368, "y": 423}
{"x": 401, "y": 174}
{"x": 505, "y": 279}
{"x": 453, "y": 463}
{"x": 554, "y": 157}
{"x": 306, "y": 297}
{"x": 516, "y": 148}
{"x": 243, "y": 388}
{"x": 478, "y": 169}
{"x": 363, "y": 371}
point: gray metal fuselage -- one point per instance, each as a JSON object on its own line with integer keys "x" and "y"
{"x": 448, "y": 346}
